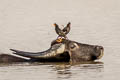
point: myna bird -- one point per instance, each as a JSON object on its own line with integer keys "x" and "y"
{"x": 59, "y": 31}
{"x": 66, "y": 30}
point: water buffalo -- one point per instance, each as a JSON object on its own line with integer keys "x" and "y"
{"x": 62, "y": 50}
{"x": 66, "y": 50}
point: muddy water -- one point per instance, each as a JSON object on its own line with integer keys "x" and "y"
{"x": 27, "y": 25}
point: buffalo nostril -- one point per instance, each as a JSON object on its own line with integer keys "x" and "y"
{"x": 101, "y": 48}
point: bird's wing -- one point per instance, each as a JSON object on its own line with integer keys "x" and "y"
{"x": 57, "y": 29}
{"x": 66, "y": 30}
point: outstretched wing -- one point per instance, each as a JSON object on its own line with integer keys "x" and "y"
{"x": 66, "y": 30}
{"x": 57, "y": 29}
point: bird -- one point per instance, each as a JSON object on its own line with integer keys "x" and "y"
{"x": 66, "y": 30}
{"x": 62, "y": 32}
{"x": 59, "y": 31}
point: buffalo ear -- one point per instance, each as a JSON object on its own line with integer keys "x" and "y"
{"x": 66, "y": 30}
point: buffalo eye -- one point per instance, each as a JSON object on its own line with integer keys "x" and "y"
{"x": 73, "y": 46}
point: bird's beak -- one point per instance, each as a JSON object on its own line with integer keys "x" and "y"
{"x": 54, "y": 24}
{"x": 59, "y": 40}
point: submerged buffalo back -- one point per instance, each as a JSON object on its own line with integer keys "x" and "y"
{"x": 6, "y": 58}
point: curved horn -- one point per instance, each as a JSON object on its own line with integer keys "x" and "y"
{"x": 51, "y": 52}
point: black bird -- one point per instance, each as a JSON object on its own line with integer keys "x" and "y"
{"x": 66, "y": 30}
{"x": 59, "y": 31}
{"x": 63, "y": 32}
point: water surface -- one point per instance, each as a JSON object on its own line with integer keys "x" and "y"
{"x": 28, "y": 25}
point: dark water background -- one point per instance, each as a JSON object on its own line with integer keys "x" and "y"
{"x": 28, "y": 25}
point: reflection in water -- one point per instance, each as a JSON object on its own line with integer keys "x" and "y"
{"x": 87, "y": 70}
{"x": 52, "y": 71}
{"x": 62, "y": 71}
